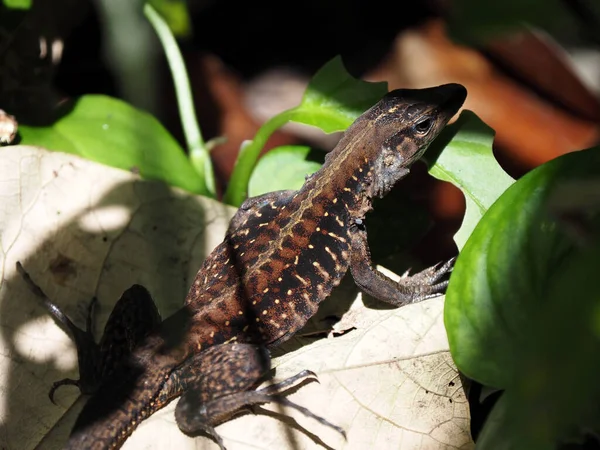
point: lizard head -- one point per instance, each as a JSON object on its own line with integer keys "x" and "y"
{"x": 405, "y": 122}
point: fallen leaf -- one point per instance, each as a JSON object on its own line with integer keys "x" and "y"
{"x": 389, "y": 382}
{"x": 115, "y": 230}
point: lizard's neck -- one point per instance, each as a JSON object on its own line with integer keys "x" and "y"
{"x": 346, "y": 176}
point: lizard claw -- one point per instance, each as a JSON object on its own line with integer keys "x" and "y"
{"x": 434, "y": 273}
{"x": 278, "y": 388}
{"x": 425, "y": 284}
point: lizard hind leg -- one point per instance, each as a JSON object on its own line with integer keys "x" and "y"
{"x": 219, "y": 383}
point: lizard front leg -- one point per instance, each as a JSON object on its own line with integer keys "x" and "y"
{"x": 220, "y": 381}
{"x": 409, "y": 289}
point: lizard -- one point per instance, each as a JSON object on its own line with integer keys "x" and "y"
{"x": 283, "y": 254}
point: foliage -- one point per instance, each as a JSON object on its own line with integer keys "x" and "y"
{"x": 111, "y": 132}
{"x": 522, "y": 308}
{"x": 462, "y": 155}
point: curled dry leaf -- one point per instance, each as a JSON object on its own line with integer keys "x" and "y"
{"x": 84, "y": 230}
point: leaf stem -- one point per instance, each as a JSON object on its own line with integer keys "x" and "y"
{"x": 237, "y": 190}
{"x": 198, "y": 153}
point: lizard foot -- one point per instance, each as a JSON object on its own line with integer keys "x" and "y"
{"x": 280, "y": 387}
{"x": 409, "y": 289}
{"x": 219, "y": 383}
{"x": 275, "y": 394}
{"x": 426, "y": 283}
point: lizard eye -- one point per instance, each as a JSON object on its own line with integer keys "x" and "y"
{"x": 423, "y": 126}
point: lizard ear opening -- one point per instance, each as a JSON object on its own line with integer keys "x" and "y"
{"x": 401, "y": 144}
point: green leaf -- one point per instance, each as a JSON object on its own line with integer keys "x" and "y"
{"x": 494, "y": 436}
{"x": 509, "y": 273}
{"x": 555, "y": 394}
{"x": 18, "y": 4}
{"x": 462, "y": 155}
{"x": 475, "y": 22}
{"x": 499, "y": 429}
{"x": 175, "y": 13}
{"x": 284, "y": 167}
{"x": 111, "y": 132}
{"x": 332, "y": 101}
{"x": 522, "y": 309}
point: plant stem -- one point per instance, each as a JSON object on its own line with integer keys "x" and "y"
{"x": 237, "y": 190}
{"x": 198, "y": 153}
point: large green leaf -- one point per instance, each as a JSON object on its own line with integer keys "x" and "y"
{"x": 111, "y": 132}
{"x": 332, "y": 101}
{"x": 522, "y": 307}
{"x": 554, "y": 396}
{"x": 462, "y": 155}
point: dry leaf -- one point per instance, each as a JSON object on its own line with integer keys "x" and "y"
{"x": 82, "y": 229}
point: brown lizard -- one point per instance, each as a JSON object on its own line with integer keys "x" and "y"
{"x": 282, "y": 255}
